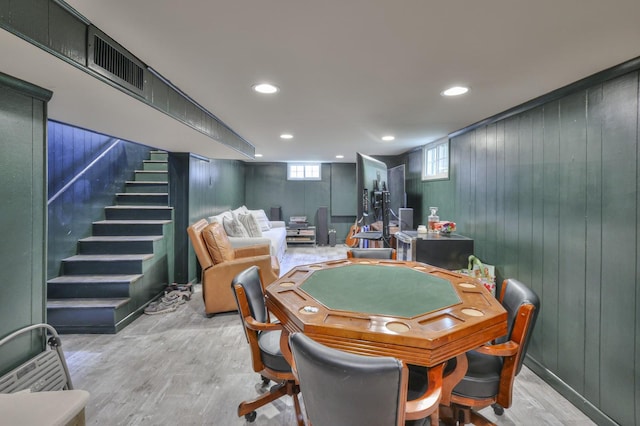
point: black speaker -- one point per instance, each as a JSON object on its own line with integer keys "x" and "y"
{"x": 405, "y": 219}
{"x": 275, "y": 213}
{"x": 386, "y": 201}
{"x": 332, "y": 237}
{"x": 322, "y": 226}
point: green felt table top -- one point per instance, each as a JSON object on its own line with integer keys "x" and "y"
{"x": 381, "y": 290}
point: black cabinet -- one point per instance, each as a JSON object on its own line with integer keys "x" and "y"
{"x": 448, "y": 251}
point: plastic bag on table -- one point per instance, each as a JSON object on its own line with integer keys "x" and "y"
{"x": 483, "y": 272}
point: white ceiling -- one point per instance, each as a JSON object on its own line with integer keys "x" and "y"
{"x": 350, "y": 71}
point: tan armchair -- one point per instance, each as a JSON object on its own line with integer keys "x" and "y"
{"x": 221, "y": 263}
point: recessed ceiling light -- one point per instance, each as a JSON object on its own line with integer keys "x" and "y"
{"x": 258, "y": 155}
{"x": 455, "y": 91}
{"x": 388, "y": 138}
{"x": 266, "y": 88}
{"x": 339, "y": 156}
{"x": 286, "y": 136}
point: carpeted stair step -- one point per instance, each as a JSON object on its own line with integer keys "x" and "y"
{"x": 127, "y": 244}
{"x": 126, "y": 212}
{"x": 129, "y": 227}
{"x": 83, "y": 264}
{"x": 91, "y": 286}
{"x": 88, "y": 315}
{"x": 142, "y": 199}
{"x": 151, "y": 175}
{"x": 146, "y": 186}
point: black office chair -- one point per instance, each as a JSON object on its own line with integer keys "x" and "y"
{"x": 340, "y": 388}
{"x": 264, "y": 338}
{"x": 492, "y": 368}
{"x": 372, "y": 253}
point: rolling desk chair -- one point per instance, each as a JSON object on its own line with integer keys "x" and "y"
{"x": 492, "y": 368}
{"x": 372, "y": 253}
{"x": 263, "y": 337}
{"x": 340, "y": 388}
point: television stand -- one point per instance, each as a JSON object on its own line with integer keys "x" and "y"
{"x": 305, "y": 235}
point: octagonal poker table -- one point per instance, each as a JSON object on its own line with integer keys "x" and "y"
{"x": 415, "y": 312}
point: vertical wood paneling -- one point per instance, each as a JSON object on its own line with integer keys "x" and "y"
{"x": 343, "y": 189}
{"x": 593, "y": 277}
{"x": 415, "y": 195}
{"x": 480, "y": 212}
{"x": 619, "y": 246}
{"x": 636, "y": 368}
{"x": 548, "y": 321}
{"x": 267, "y": 186}
{"x": 525, "y": 197}
{"x": 489, "y": 250}
{"x": 500, "y": 203}
{"x": 572, "y": 239}
{"x": 563, "y": 215}
{"x": 536, "y": 347}
{"x": 22, "y": 218}
{"x": 38, "y": 211}
{"x": 464, "y": 195}
{"x": 202, "y": 188}
{"x": 511, "y": 197}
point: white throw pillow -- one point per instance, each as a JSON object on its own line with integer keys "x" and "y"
{"x": 240, "y": 210}
{"x": 250, "y": 224}
{"x": 220, "y": 217}
{"x": 262, "y": 219}
{"x": 234, "y": 228}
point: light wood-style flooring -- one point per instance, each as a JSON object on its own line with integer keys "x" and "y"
{"x": 181, "y": 368}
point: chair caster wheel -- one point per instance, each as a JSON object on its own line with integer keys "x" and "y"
{"x": 497, "y": 409}
{"x": 265, "y": 380}
{"x": 251, "y": 417}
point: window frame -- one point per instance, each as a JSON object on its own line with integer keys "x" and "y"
{"x": 434, "y": 146}
{"x": 306, "y": 168}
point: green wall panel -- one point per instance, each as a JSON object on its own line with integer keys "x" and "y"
{"x": 551, "y": 234}
{"x": 571, "y": 181}
{"x": 619, "y": 247}
{"x": 198, "y": 188}
{"x": 550, "y": 197}
{"x": 267, "y": 186}
{"x": 67, "y": 34}
{"x": 343, "y": 195}
{"x": 593, "y": 271}
{"x": 23, "y": 216}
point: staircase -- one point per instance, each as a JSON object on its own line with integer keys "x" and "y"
{"x": 124, "y": 265}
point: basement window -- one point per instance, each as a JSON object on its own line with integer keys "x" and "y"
{"x": 303, "y": 171}
{"x": 435, "y": 160}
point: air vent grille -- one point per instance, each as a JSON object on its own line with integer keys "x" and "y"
{"x": 113, "y": 61}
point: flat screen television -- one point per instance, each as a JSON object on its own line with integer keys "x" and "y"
{"x": 373, "y": 177}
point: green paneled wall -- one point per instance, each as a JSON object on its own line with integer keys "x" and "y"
{"x": 550, "y": 197}
{"x": 267, "y": 186}
{"x": 199, "y": 188}
{"x": 343, "y": 189}
{"x": 23, "y": 113}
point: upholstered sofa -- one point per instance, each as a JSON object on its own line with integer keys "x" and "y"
{"x": 273, "y": 233}
{"x": 220, "y": 263}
